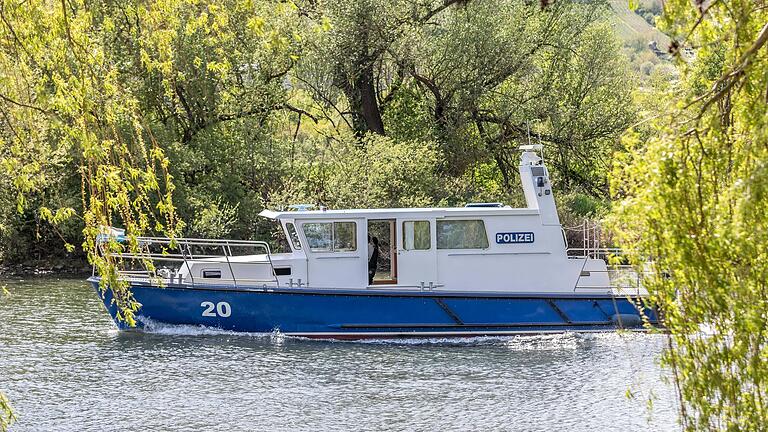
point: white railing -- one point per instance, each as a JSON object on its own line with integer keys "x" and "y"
{"x": 591, "y": 242}
{"x": 162, "y": 260}
{"x": 591, "y": 238}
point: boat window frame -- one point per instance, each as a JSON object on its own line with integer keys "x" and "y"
{"x": 210, "y": 273}
{"x": 437, "y": 234}
{"x": 333, "y": 249}
{"x": 429, "y": 233}
{"x": 293, "y": 237}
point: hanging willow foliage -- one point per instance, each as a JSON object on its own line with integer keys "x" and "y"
{"x": 80, "y": 76}
{"x": 693, "y": 199}
{"x": 6, "y": 413}
{"x": 66, "y": 101}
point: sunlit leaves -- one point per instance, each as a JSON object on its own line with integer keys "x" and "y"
{"x": 7, "y": 416}
{"x": 381, "y": 172}
{"x": 693, "y": 202}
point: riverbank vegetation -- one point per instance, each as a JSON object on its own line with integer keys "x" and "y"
{"x": 186, "y": 117}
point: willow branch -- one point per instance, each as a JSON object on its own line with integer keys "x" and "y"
{"x": 727, "y": 81}
{"x": 23, "y": 105}
{"x": 300, "y": 112}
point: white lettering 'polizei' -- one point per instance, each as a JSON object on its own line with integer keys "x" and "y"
{"x": 514, "y": 237}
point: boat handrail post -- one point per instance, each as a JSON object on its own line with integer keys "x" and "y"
{"x": 186, "y": 263}
{"x": 146, "y": 255}
{"x": 189, "y": 250}
{"x": 596, "y": 239}
{"x": 271, "y": 265}
{"x": 224, "y": 248}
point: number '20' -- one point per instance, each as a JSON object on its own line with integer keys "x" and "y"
{"x": 221, "y": 309}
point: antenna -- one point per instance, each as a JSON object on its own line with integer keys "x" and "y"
{"x": 532, "y": 147}
{"x": 528, "y": 127}
{"x": 541, "y": 145}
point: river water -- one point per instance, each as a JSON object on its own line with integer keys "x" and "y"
{"x": 66, "y": 368}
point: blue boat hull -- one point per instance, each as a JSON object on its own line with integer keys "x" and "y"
{"x": 358, "y": 314}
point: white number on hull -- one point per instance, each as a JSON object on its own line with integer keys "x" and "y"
{"x": 222, "y": 309}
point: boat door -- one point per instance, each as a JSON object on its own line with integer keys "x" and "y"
{"x": 382, "y": 236}
{"x": 334, "y": 253}
{"x": 417, "y": 258}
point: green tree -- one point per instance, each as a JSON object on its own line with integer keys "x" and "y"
{"x": 105, "y": 90}
{"x": 474, "y": 77}
{"x": 692, "y": 200}
{"x": 554, "y": 74}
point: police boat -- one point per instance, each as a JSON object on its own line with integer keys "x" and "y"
{"x": 482, "y": 269}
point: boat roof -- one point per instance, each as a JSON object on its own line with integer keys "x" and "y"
{"x": 385, "y": 213}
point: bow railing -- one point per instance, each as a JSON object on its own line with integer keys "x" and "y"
{"x": 193, "y": 261}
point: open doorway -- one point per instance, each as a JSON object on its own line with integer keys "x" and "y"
{"x": 382, "y": 252}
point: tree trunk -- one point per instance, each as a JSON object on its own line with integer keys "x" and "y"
{"x": 357, "y": 79}
{"x": 363, "y": 104}
{"x": 368, "y": 101}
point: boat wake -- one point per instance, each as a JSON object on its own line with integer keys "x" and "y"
{"x": 158, "y": 328}
{"x": 539, "y": 342}
{"x": 512, "y": 341}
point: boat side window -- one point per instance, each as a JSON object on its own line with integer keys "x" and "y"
{"x": 416, "y": 235}
{"x": 331, "y": 236}
{"x": 344, "y": 236}
{"x": 461, "y": 234}
{"x": 293, "y": 235}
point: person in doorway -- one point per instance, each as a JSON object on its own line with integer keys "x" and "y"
{"x": 373, "y": 257}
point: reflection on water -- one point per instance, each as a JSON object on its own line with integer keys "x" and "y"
{"x": 67, "y": 368}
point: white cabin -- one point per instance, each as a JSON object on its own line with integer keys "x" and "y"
{"x": 480, "y": 247}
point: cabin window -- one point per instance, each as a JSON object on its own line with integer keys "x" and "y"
{"x": 461, "y": 234}
{"x": 212, "y": 274}
{"x": 416, "y": 235}
{"x": 293, "y": 236}
{"x": 344, "y": 236}
{"x": 282, "y": 271}
{"x": 331, "y": 236}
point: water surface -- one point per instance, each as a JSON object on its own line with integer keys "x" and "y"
{"x": 66, "y": 368}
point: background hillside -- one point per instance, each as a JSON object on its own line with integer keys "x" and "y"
{"x": 630, "y": 25}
